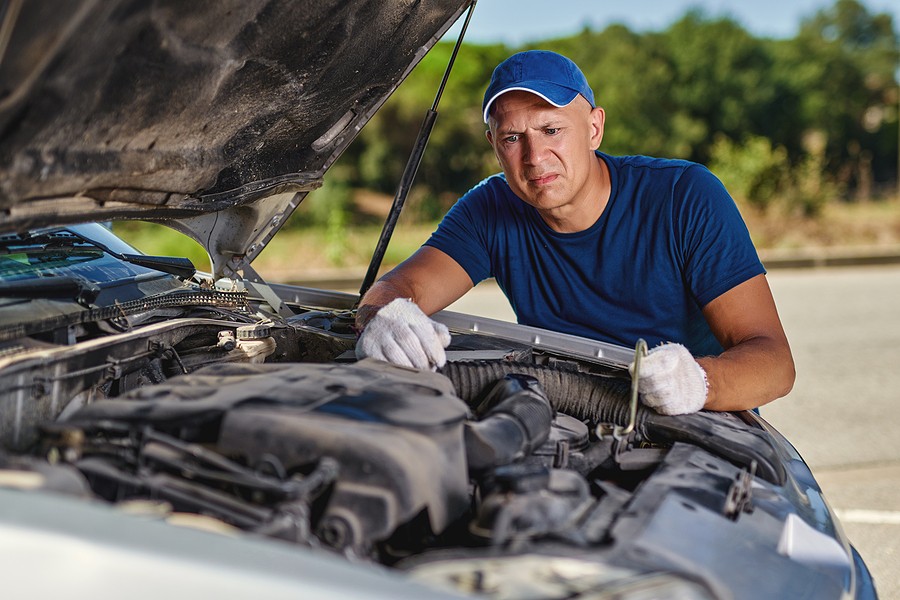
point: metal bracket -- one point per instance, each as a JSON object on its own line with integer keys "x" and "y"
{"x": 740, "y": 495}
{"x": 254, "y": 281}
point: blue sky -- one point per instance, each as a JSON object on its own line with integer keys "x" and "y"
{"x": 518, "y": 21}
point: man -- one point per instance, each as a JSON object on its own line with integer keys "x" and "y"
{"x": 612, "y": 248}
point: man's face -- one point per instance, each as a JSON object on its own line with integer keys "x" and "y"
{"x": 547, "y": 153}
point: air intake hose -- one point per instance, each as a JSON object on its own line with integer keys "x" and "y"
{"x": 515, "y": 420}
{"x": 586, "y": 397}
{"x": 597, "y": 399}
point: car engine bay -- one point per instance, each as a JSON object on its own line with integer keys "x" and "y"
{"x": 210, "y": 416}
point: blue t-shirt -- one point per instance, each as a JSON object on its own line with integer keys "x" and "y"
{"x": 669, "y": 241}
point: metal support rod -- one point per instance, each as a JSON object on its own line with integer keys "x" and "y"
{"x": 409, "y": 173}
{"x": 9, "y": 12}
{"x": 640, "y": 351}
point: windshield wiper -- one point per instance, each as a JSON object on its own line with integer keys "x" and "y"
{"x": 71, "y": 288}
{"x": 173, "y": 265}
{"x": 75, "y": 237}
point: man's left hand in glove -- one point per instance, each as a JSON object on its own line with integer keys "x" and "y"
{"x": 670, "y": 381}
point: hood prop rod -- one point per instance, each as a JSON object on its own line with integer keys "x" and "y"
{"x": 409, "y": 172}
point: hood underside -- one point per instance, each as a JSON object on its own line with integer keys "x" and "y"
{"x": 222, "y": 115}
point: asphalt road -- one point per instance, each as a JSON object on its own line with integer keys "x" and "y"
{"x": 843, "y": 414}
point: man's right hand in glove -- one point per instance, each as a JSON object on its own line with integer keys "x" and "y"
{"x": 400, "y": 333}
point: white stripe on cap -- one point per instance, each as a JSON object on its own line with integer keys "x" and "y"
{"x": 487, "y": 107}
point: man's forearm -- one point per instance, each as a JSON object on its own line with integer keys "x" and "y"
{"x": 756, "y": 366}
{"x": 748, "y": 375}
{"x": 429, "y": 278}
{"x": 380, "y": 294}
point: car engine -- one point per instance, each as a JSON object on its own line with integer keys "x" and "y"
{"x": 274, "y": 429}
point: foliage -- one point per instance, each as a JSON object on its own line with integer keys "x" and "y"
{"x": 810, "y": 188}
{"x": 790, "y": 125}
{"x": 753, "y": 171}
{"x": 328, "y": 209}
{"x": 818, "y": 111}
{"x": 760, "y": 175}
{"x": 840, "y": 71}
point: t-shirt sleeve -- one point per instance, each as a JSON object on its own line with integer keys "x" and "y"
{"x": 463, "y": 233}
{"x": 717, "y": 251}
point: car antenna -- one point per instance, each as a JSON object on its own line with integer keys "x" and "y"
{"x": 409, "y": 172}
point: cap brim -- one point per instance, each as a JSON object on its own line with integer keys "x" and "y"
{"x": 556, "y": 95}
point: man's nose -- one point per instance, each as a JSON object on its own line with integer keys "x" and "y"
{"x": 535, "y": 150}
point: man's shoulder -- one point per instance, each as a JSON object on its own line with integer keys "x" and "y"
{"x": 494, "y": 183}
{"x": 668, "y": 173}
{"x": 490, "y": 190}
{"x": 637, "y": 161}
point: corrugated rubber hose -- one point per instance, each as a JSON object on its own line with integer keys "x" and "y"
{"x": 596, "y": 399}
{"x": 586, "y": 397}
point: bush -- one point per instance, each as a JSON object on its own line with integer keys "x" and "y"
{"x": 810, "y": 187}
{"x": 328, "y": 209}
{"x": 754, "y": 171}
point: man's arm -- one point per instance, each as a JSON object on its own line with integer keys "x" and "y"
{"x": 757, "y": 366}
{"x": 429, "y": 278}
{"x": 392, "y": 317}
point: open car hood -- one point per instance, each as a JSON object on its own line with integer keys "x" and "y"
{"x": 215, "y": 117}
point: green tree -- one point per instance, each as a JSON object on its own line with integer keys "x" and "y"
{"x": 631, "y": 77}
{"x": 753, "y": 171}
{"x": 720, "y": 83}
{"x": 827, "y": 98}
{"x": 842, "y": 68}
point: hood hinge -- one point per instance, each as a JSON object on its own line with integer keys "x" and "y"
{"x": 255, "y": 283}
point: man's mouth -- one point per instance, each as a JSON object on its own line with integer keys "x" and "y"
{"x": 543, "y": 179}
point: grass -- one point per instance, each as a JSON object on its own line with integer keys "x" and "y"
{"x": 298, "y": 253}
{"x": 839, "y": 224}
{"x": 293, "y": 254}
{"x": 307, "y": 251}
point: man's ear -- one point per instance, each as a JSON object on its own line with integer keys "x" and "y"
{"x": 598, "y": 120}
{"x": 490, "y": 139}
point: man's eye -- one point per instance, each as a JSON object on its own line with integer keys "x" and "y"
{"x": 511, "y": 139}
{"x": 552, "y": 130}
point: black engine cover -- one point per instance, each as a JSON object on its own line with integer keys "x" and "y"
{"x": 397, "y": 434}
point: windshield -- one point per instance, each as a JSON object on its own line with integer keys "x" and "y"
{"x": 66, "y": 252}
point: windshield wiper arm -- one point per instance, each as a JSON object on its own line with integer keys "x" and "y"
{"x": 73, "y": 288}
{"x": 75, "y": 236}
{"x": 173, "y": 265}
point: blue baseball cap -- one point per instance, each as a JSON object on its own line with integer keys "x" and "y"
{"x": 551, "y": 76}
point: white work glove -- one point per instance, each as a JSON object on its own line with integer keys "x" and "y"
{"x": 400, "y": 333}
{"x": 671, "y": 381}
